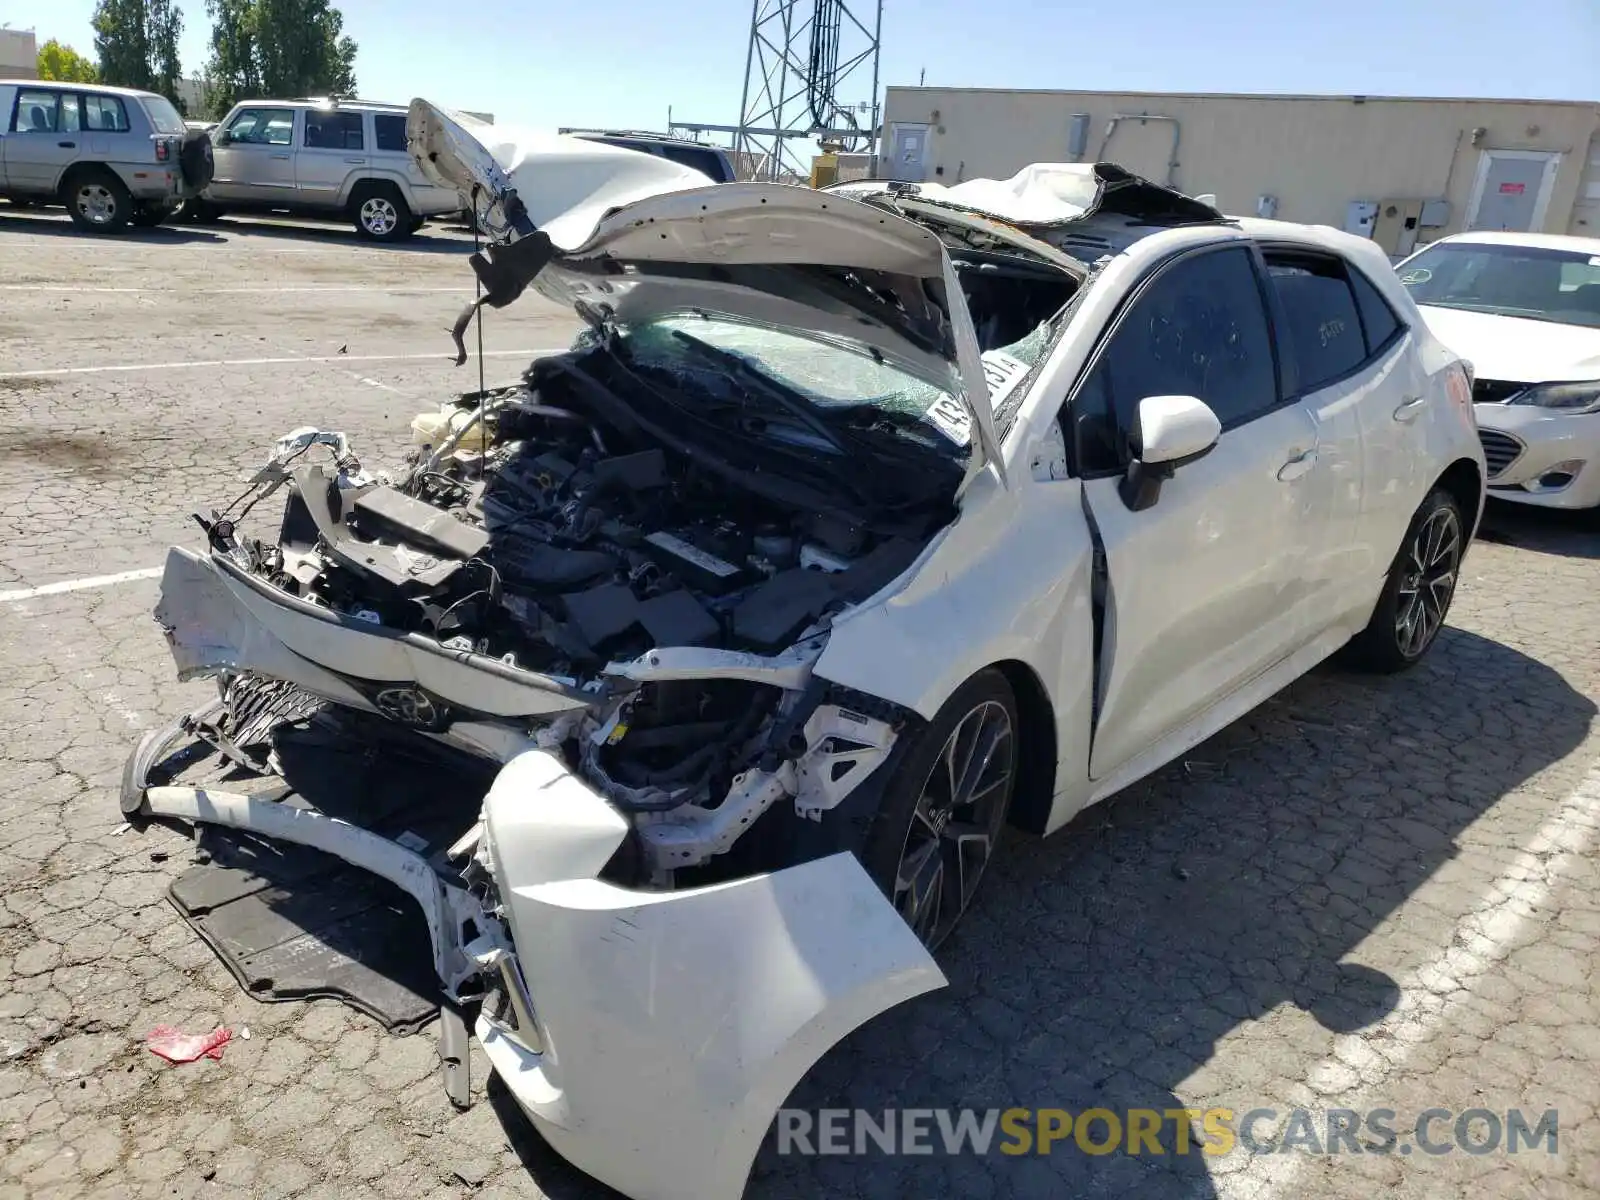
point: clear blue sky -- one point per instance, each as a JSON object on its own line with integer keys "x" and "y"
{"x": 622, "y": 62}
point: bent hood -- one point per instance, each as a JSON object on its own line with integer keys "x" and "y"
{"x": 597, "y": 226}
{"x": 1515, "y": 349}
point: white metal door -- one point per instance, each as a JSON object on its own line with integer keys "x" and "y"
{"x": 1208, "y": 587}
{"x": 1512, "y": 190}
{"x": 908, "y": 153}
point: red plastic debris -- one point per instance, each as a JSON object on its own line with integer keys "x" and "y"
{"x": 178, "y": 1047}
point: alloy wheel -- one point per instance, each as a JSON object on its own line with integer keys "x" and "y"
{"x": 1428, "y": 583}
{"x": 379, "y": 217}
{"x": 956, "y": 821}
{"x": 96, "y": 203}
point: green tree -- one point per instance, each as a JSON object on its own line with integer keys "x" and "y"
{"x": 64, "y": 64}
{"x": 278, "y": 48}
{"x": 137, "y": 44}
{"x": 164, "y": 25}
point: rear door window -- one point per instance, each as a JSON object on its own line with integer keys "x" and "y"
{"x": 389, "y": 132}
{"x": 1324, "y": 327}
{"x": 104, "y": 114}
{"x": 334, "y": 131}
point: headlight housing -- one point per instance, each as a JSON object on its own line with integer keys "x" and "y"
{"x": 1581, "y": 397}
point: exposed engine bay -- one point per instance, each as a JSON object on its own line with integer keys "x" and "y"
{"x": 586, "y": 525}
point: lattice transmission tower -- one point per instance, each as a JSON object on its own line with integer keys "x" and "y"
{"x": 811, "y": 74}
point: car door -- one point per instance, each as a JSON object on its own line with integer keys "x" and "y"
{"x": 1400, "y": 465}
{"x": 1329, "y": 371}
{"x": 332, "y": 144}
{"x": 254, "y": 157}
{"x": 43, "y": 139}
{"x": 1206, "y": 588}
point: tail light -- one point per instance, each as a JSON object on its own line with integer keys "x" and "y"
{"x": 163, "y": 150}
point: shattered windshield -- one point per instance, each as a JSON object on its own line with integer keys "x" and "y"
{"x": 840, "y": 383}
{"x": 1533, "y": 282}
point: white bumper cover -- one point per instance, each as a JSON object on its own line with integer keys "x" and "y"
{"x": 675, "y": 1023}
{"x": 1546, "y": 439}
{"x": 671, "y": 1025}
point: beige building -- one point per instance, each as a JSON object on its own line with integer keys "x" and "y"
{"x": 19, "y": 54}
{"x": 1402, "y": 171}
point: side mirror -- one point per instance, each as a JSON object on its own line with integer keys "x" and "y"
{"x": 1168, "y": 431}
{"x": 221, "y": 138}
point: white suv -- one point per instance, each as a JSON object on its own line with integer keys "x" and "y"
{"x": 322, "y": 158}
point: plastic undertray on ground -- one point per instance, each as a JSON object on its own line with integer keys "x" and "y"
{"x": 292, "y": 923}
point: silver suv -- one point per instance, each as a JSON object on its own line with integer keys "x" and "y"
{"x": 322, "y": 158}
{"x": 111, "y": 155}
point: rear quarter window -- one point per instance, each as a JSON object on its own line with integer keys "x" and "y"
{"x": 1377, "y": 318}
{"x": 389, "y": 132}
{"x": 163, "y": 116}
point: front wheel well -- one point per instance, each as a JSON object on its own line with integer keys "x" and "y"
{"x": 1036, "y": 747}
{"x": 1464, "y": 482}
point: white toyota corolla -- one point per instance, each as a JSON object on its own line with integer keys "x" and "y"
{"x": 1524, "y": 308}
{"x": 855, "y": 525}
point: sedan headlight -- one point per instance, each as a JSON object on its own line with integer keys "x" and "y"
{"x": 1583, "y": 397}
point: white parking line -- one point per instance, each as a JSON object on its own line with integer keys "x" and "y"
{"x": 264, "y": 362}
{"x": 78, "y": 585}
{"x": 311, "y": 289}
{"x": 1482, "y": 939}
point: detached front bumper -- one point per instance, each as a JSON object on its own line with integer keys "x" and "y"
{"x": 1539, "y": 456}
{"x": 667, "y": 1027}
{"x": 653, "y": 1034}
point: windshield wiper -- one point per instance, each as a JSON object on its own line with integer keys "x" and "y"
{"x": 789, "y": 401}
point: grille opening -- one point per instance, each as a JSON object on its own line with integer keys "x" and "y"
{"x": 1500, "y": 450}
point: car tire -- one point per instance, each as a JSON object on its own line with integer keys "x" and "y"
{"x": 940, "y": 821}
{"x": 380, "y": 212}
{"x": 96, "y": 200}
{"x": 1417, "y": 593}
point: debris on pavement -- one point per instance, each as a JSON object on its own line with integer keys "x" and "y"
{"x": 176, "y": 1046}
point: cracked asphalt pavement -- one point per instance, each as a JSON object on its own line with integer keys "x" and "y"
{"x": 1370, "y": 893}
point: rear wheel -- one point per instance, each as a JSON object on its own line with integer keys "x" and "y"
{"x": 1417, "y": 594}
{"x": 96, "y": 200}
{"x": 942, "y": 813}
{"x": 381, "y": 213}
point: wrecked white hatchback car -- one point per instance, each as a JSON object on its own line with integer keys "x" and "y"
{"x": 855, "y": 524}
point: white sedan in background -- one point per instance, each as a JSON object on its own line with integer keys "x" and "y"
{"x": 1524, "y": 308}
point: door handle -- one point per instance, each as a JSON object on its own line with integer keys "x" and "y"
{"x": 281, "y": 157}
{"x": 68, "y": 145}
{"x": 1298, "y": 465}
{"x": 1410, "y": 409}
{"x": 357, "y": 161}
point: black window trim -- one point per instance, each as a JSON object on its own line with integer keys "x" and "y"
{"x": 34, "y": 85}
{"x": 122, "y": 107}
{"x": 1132, "y": 297}
{"x": 296, "y": 125}
{"x": 1374, "y": 355}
